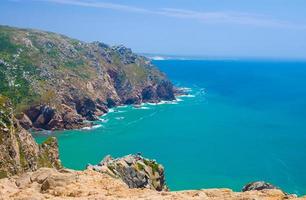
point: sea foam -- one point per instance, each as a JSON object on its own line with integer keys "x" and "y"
{"x": 92, "y": 127}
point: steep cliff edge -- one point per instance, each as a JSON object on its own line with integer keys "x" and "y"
{"x": 66, "y": 184}
{"x": 18, "y": 150}
{"x": 57, "y": 82}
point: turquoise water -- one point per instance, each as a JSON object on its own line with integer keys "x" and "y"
{"x": 243, "y": 121}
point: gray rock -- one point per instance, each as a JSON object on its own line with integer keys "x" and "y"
{"x": 258, "y": 185}
{"x": 134, "y": 170}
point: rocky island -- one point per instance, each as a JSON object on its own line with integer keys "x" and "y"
{"x": 49, "y": 81}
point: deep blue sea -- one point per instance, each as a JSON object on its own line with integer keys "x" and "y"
{"x": 242, "y": 121}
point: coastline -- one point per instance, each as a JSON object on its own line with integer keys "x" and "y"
{"x": 180, "y": 92}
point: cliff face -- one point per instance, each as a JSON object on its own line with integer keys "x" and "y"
{"x": 18, "y": 150}
{"x": 57, "y": 82}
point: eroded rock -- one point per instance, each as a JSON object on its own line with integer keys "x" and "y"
{"x": 135, "y": 170}
{"x": 258, "y": 185}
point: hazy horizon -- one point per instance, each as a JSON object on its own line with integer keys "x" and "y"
{"x": 234, "y": 30}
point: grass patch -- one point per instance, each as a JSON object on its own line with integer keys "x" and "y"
{"x": 3, "y": 174}
{"x": 140, "y": 166}
{"x": 152, "y": 164}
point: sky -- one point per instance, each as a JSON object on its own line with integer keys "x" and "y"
{"x": 207, "y": 28}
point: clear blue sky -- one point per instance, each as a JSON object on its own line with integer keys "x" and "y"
{"x": 222, "y": 28}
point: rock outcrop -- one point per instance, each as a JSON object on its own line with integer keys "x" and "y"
{"x": 135, "y": 170}
{"x": 56, "y": 82}
{"x": 18, "y": 150}
{"x": 258, "y": 185}
{"x": 65, "y": 184}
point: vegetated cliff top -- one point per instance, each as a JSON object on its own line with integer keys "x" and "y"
{"x": 38, "y": 65}
{"x": 39, "y": 68}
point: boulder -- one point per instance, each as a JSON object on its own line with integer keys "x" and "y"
{"x": 33, "y": 112}
{"x": 25, "y": 121}
{"x": 87, "y": 108}
{"x": 258, "y": 185}
{"x": 24, "y": 180}
{"x": 57, "y": 179}
{"x": 148, "y": 93}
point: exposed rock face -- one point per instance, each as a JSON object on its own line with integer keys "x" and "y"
{"x": 135, "y": 171}
{"x": 65, "y": 184}
{"x": 18, "y": 150}
{"x": 59, "y": 82}
{"x": 258, "y": 185}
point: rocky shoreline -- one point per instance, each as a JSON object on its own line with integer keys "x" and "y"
{"x": 42, "y": 117}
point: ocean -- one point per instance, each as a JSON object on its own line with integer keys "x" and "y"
{"x": 243, "y": 121}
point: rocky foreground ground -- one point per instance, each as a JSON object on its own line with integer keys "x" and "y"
{"x": 49, "y": 183}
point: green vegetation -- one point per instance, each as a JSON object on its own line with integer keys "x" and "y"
{"x": 3, "y": 174}
{"x": 152, "y": 164}
{"x": 74, "y": 63}
{"x": 116, "y": 60}
{"x": 23, "y": 160}
{"x": 53, "y": 53}
{"x": 136, "y": 74}
{"x": 43, "y": 161}
{"x": 5, "y": 114}
{"x": 39, "y": 67}
{"x": 49, "y": 141}
{"x": 140, "y": 166}
{"x": 6, "y": 45}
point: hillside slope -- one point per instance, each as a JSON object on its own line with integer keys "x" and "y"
{"x": 56, "y": 82}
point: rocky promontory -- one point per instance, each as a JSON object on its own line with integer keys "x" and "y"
{"x": 56, "y": 82}
{"x": 135, "y": 170}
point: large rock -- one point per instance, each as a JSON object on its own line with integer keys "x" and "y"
{"x": 87, "y": 108}
{"x": 25, "y": 121}
{"x": 258, "y": 185}
{"x": 135, "y": 170}
{"x": 165, "y": 91}
{"x": 40, "y": 117}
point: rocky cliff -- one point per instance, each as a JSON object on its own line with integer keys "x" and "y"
{"x": 56, "y": 82}
{"x": 18, "y": 150}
